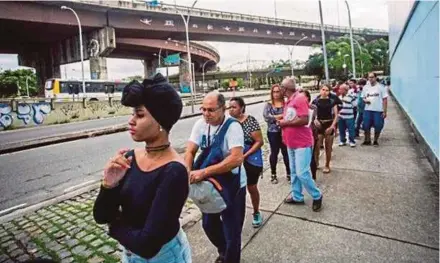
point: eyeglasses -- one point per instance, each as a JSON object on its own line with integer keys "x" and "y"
{"x": 209, "y": 110}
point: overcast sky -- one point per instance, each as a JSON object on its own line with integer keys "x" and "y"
{"x": 370, "y": 14}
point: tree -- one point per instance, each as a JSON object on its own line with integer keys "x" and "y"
{"x": 368, "y": 56}
{"x": 14, "y": 78}
{"x": 315, "y": 66}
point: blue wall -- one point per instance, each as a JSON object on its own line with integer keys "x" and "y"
{"x": 415, "y": 70}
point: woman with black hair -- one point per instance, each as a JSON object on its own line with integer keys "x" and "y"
{"x": 144, "y": 190}
{"x": 253, "y": 156}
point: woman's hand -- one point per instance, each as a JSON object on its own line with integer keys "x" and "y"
{"x": 317, "y": 124}
{"x": 116, "y": 168}
{"x": 278, "y": 117}
{"x": 329, "y": 130}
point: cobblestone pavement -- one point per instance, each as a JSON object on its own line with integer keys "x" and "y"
{"x": 66, "y": 232}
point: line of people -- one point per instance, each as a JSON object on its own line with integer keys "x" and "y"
{"x": 144, "y": 190}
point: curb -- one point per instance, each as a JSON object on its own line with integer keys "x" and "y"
{"x": 26, "y": 210}
{"x": 26, "y": 145}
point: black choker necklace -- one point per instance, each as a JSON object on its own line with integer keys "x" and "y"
{"x": 157, "y": 148}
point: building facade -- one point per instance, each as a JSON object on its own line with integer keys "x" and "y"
{"x": 414, "y": 62}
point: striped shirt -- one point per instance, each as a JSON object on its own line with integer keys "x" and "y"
{"x": 348, "y": 103}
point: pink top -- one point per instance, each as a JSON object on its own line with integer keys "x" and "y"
{"x": 297, "y": 136}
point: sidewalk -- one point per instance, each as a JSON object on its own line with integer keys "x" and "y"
{"x": 380, "y": 205}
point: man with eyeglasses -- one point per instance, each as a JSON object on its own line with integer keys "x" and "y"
{"x": 375, "y": 96}
{"x": 298, "y": 137}
{"x": 223, "y": 229}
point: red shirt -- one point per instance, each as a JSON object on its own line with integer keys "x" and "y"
{"x": 297, "y": 136}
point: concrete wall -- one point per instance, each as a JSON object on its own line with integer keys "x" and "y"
{"x": 33, "y": 113}
{"x": 414, "y": 62}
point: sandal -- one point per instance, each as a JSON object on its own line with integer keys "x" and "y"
{"x": 273, "y": 179}
{"x": 326, "y": 170}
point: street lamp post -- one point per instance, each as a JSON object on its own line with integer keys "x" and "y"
{"x": 291, "y": 54}
{"x": 80, "y": 47}
{"x": 344, "y": 66}
{"x": 186, "y": 22}
{"x": 351, "y": 40}
{"x": 360, "y": 53}
{"x": 324, "y": 49}
{"x": 203, "y": 73}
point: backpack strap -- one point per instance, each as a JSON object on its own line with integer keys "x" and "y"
{"x": 222, "y": 132}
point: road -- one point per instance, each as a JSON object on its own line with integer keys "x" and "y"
{"x": 33, "y": 175}
{"x": 27, "y": 134}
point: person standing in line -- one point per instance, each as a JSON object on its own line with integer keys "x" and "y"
{"x": 253, "y": 156}
{"x": 326, "y": 121}
{"x": 346, "y": 117}
{"x": 299, "y": 140}
{"x": 223, "y": 229}
{"x": 273, "y": 111}
{"x": 312, "y": 115}
{"x": 144, "y": 190}
{"x": 354, "y": 91}
{"x": 361, "y": 107}
{"x": 375, "y": 97}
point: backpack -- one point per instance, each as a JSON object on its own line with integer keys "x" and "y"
{"x": 215, "y": 193}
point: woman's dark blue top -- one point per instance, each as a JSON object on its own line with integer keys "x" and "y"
{"x": 143, "y": 210}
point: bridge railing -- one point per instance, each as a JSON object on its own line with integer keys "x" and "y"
{"x": 200, "y": 12}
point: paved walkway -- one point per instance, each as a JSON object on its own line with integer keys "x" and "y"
{"x": 380, "y": 205}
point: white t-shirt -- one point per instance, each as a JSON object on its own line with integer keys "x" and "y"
{"x": 234, "y": 137}
{"x": 375, "y": 94}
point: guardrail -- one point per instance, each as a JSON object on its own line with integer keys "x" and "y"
{"x": 200, "y": 12}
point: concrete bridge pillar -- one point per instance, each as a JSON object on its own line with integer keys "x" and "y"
{"x": 98, "y": 68}
{"x": 45, "y": 63}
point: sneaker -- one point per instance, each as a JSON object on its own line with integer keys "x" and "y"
{"x": 289, "y": 200}
{"x": 376, "y": 143}
{"x": 352, "y": 144}
{"x": 342, "y": 144}
{"x": 258, "y": 220}
{"x": 274, "y": 179}
{"x": 317, "y": 205}
{"x": 366, "y": 143}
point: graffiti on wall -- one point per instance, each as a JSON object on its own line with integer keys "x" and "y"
{"x": 26, "y": 112}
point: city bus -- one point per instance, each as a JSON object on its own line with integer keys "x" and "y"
{"x": 65, "y": 90}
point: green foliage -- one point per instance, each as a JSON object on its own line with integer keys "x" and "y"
{"x": 369, "y": 56}
{"x": 12, "y": 78}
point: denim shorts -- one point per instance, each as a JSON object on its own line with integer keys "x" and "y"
{"x": 177, "y": 250}
{"x": 373, "y": 119}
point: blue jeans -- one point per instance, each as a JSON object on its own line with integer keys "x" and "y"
{"x": 346, "y": 124}
{"x": 359, "y": 120}
{"x": 177, "y": 250}
{"x": 225, "y": 232}
{"x": 300, "y": 159}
